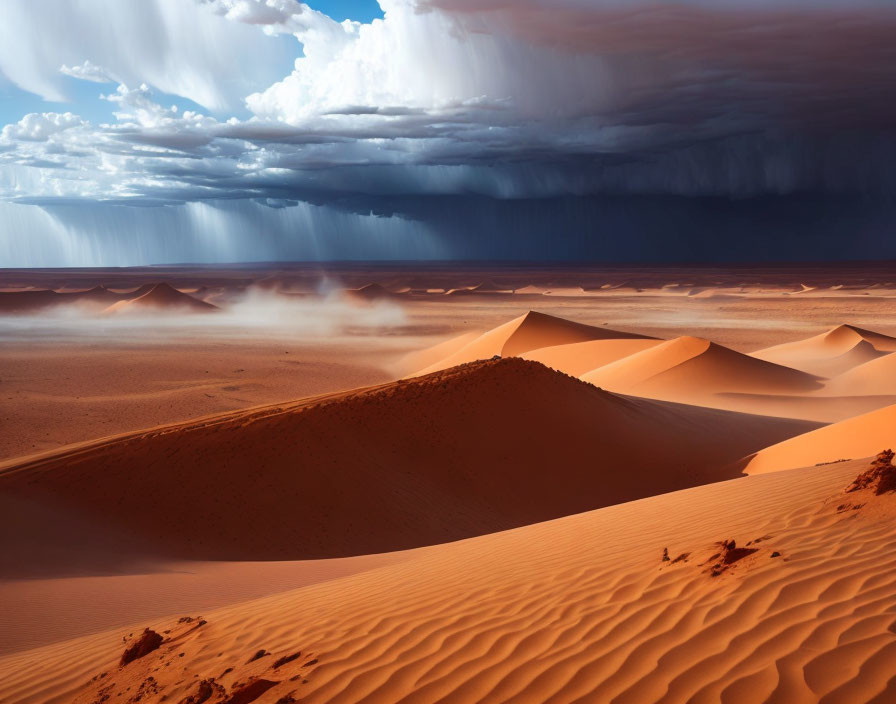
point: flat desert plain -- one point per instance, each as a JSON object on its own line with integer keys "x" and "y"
{"x": 445, "y": 483}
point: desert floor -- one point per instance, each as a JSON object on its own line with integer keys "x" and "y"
{"x": 434, "y": 483}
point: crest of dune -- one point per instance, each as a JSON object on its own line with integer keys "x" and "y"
{"x": 832, "y": 352}
{"x": 528, "y": 332}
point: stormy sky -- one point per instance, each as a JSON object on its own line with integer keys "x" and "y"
{"x": 160, "y": 131}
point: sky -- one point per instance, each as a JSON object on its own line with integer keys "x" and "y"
{"x": 169, "y": 131}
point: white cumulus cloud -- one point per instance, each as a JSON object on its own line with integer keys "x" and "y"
{"x": 39, "y": 127}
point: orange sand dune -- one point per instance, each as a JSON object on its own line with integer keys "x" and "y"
{"x": 161, "y": 297}
{"x": 422, "y": 359}
{"x": 832, "y": 352}
{"x": 495, "y": 445}
{"x": 822, "y": 409}
{"x": 580, "y": 609}
{"x": 847, "y": 439}
{"x": 524, "y": 334}
{"x": 37, "y": 612}
{"x": 579, "y": 358}
{"x": 874, "y": 378}
{"x": 694, "y": 370}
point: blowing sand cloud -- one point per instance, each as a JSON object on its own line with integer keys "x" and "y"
{"x": 261, "y": 313}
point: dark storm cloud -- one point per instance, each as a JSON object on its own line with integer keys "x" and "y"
{"x": 469, "y": 108}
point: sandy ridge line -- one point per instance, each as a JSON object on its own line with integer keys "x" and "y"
{"x": 246, "y": 415}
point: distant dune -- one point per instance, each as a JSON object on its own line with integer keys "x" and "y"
{"x": 139, "y": 291}
{"x": 422, "y": 359}
{"x": 832, "y": 352}
{"x": 159, "y": 298}
{"x": 693, "y": 370}
{"x": 101, "y": 298}
{"x": 492, "y": 287}
{"x": 877, "y": 377}
{"x": 25, "y": 302}
{"x": 524, "y": 334}
{"x": 494, "y": 445}
{"x": 688, "y": 369}
{"x": 98, "y": 294}
{"x": 849, "y": 439}
{"x": 371, "y": 292}
{"x": 578, "y": 358}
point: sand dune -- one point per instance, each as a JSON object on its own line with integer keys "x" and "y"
{"x": 161, "y": 297}
{"x": 855, "y": 437}
{"x": 874, "y": 378}
{"x": 38, "y": 612}
{"x": 139, "y": 291}
{"x": 819, "y": 408}
{"x": 99, "y": 295}
{"x": 694, "y": 370}
{"x": 578, "y": 358}
{"x": 371, "y": 292}
{"x": 581, "y": 609}
{"x": 529, "y": 290}
{"x": 832, "y": 352}
{"x": 102, "y": 298}
{"x": 422, "y": 359}
{"x": 340, "y": 475}
{"x": 715, "y": 295}
{"x": 524, "y": 334}
{"x": 485, "y": 287}
{"x": 16, "y": 302}
{"x": 492, "y": 287}
{"x": 569, "y": 291}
